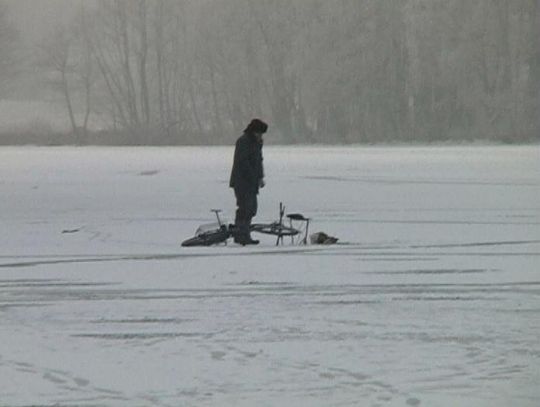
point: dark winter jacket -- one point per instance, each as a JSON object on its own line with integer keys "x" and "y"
{"x": 247, "y": 170}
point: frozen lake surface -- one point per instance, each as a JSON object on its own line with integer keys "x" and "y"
{"x": 432, "y": 299}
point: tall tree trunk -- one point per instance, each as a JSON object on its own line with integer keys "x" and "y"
{"x": 160, "y": 68}
{"x": 69, "y": 105}
{"x": 535, "y": 68}
{"x": 88, "y": 107}
{"x": 143, "y": 57}
{"x": 111, "y": 84}
{"x": 131, "y": 96}
{"x": 218, "y": 126}
{"x": 194, "y": 108}
{"x": 87, "y": 70}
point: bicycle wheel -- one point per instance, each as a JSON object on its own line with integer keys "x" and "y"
{"x": 275, "y": 229}
{"x": 207, "y": 238}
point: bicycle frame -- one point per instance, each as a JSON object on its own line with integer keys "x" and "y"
{"x": 277, "y": 228}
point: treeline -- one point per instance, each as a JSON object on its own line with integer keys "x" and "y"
{"x": 349, "y": 71}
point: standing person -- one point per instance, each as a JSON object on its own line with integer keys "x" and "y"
{"x": 247, "y": 176}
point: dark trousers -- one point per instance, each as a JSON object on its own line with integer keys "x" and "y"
{"x": 246, "y": 203}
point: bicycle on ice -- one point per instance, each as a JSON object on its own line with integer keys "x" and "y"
{"x": 297, "y": 230}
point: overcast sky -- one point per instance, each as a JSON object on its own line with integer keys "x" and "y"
{"x": 35, "y": 18}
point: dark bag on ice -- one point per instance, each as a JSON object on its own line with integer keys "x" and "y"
{"x": 322, "y": 238}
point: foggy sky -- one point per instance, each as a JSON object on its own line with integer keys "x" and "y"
{"x": 346, "y": 71}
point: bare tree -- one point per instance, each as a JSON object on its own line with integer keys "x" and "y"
{"x": 57, "y": 59}
{"x": 67, "y": 56}
{"x": 8, "y": 51}
{"x": 347, "y": 71}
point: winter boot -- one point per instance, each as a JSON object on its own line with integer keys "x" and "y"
{"x": 241, "y": 234}
{"x": 249, "y": 240}
{"x": 248, "y": 233}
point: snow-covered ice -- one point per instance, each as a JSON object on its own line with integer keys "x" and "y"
{"x": 432, "y": 299}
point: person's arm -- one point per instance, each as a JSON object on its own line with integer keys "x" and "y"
{"x": 261, "y": 172}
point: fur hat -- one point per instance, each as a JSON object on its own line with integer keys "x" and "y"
{"x": 256, "y": 126}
